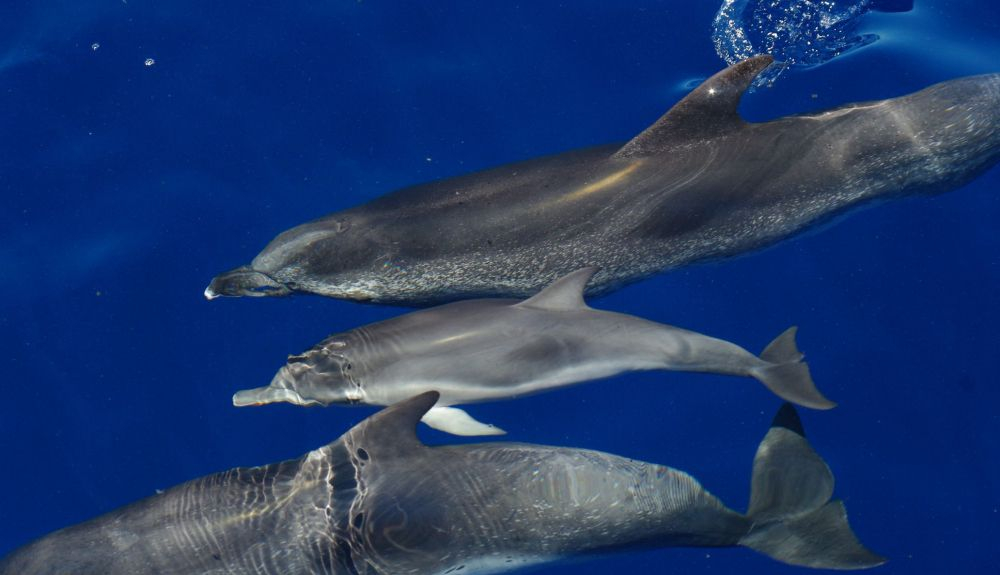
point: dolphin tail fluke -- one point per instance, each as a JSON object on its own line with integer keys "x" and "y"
{"x": 787, "y": 375}
{"x": 794, "y": 520}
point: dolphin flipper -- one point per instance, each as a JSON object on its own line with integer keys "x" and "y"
{"x": 457, "y": 422}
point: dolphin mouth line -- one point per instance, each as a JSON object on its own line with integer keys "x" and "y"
{"x": 266, "y": 395}
{"x": 245, "y": 281}
{"x": 211, "y": 294}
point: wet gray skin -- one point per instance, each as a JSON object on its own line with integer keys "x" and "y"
{"x": 489, "y": 349}
{"x": 377, "y": 501}
{"x": 700, "y": 184}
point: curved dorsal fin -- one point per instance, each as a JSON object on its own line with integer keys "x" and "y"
{"x": 566, "y": 293}
{"x": 708, "y": 111}
{"x": 393, "y": 430}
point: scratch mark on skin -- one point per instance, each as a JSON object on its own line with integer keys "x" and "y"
{"x": 604, "y": 183}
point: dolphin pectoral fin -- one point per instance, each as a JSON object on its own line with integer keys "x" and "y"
{"x": 457, "y": 422}
{"x": 708, "y": 111}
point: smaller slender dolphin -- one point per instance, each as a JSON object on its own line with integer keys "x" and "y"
{"x": 487, "y": 349}
{"x": 377, "y": 501}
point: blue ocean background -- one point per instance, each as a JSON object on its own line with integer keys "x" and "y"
{"x": 146, "y": 146}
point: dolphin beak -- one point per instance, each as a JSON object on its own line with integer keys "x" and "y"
{"x": 269, "y": 394}
{"x": 211, "y": 294}
{"x": 245, "y": 281}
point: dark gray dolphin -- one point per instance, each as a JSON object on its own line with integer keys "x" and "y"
{"x": 488, "y": 349}
{"x": 699, "y": 184}
{"x": 379, "y": 502}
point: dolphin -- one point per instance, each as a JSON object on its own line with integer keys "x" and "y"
{"x": 700, "y": 184}
{"x": 487, "y": 349}
{"x": 377, "y": 501}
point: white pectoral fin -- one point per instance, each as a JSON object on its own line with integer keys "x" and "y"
{"x": 457, "y": 422}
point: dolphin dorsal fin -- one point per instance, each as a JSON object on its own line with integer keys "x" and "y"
{"x": 564, "y": 294}
{"x": 393, "y": 430}
{"x": 708, "y": 111}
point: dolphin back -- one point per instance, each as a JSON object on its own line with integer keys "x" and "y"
{"x": 213, "y": 524}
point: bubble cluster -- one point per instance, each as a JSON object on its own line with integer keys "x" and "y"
{"x": 798, "y": 33}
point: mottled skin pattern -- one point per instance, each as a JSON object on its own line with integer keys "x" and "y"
{"x": 700, "y": 184}
{"x": 378, "y": 501}
{"x": 248, "y": 520}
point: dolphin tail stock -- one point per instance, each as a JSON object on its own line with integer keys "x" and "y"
{"x": 786, "y": 375}
{"x": 794, "y": 520}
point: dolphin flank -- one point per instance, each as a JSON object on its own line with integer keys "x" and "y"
{"x": 377, "y": 501}
{"x": 488, "y": 349}
{"x": 700, "y": 184}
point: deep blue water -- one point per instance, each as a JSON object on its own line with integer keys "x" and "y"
{"x": 125, "y": 187}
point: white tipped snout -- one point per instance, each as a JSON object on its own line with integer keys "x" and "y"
{"x": 211, "y": 294}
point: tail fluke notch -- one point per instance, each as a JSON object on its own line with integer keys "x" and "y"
{"x": 794, "y": 520}
{"x": 787, "y": 376}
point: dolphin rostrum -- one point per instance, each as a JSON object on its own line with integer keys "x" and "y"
{"x": 487, "y": 349}
{"x": 377, "y": 501}
{"x": 700, "y": 184}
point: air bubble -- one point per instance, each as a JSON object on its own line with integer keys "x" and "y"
{"x": 797, "y": 34}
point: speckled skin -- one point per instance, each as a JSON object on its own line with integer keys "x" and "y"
{"x": 700, "y": 184}
{"x": 378, "y": 501}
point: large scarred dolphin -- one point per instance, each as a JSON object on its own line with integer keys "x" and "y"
{"x": 488, "y": 349}
{"x": 700, "y": 184}
{"x": 379, "y": 502}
